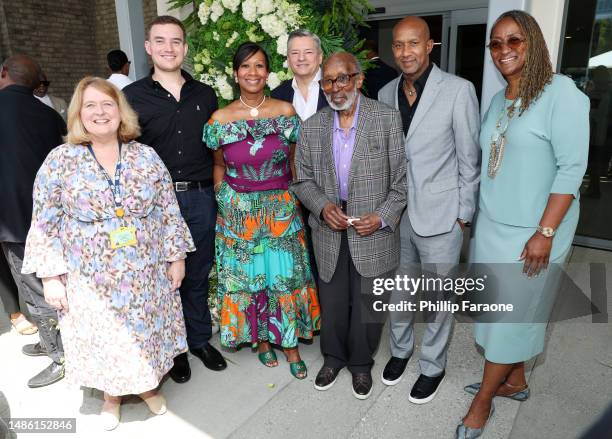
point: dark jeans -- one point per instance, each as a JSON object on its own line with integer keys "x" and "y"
{"x": 31, "y": 290}
{"x": 348, "y": 337}
{"x": 8, "y": 290}
{"x": 199, "y": 209}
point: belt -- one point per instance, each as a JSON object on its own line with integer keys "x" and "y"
{"x": 182, "y": 186}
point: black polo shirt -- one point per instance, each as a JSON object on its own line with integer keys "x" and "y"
{"x": 174, "y": 129}
{"x": 405, "y": 109}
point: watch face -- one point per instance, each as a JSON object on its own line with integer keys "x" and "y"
{"x": 548, "y": 231}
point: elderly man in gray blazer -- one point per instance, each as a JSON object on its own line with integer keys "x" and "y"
{"x": 441, "y": 126}
{"x": 351, "y": 175}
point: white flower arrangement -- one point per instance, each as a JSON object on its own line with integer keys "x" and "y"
{"x": 273, "y": 80}
{"x": 203, "y": 13}
{"x": 272, "y": 25}
{"x": 281, "y": 44}
{"x": 232, "y": 39}
{"x": 249, "y": 10}
{"x": 216, "y": 10}
{"x": 265, "y": 7}
{"x": 232, "y": 5}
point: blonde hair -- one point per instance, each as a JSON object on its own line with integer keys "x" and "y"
{"x": 128, "y": 125}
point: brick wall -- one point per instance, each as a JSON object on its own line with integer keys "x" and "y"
{"x": 69, "y": 38}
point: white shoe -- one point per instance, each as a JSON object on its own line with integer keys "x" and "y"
{"x": 157, "y": 404}
{"x": 109, "y": 419}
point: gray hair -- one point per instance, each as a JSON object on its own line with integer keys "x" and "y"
{"x": 298, "y": 33}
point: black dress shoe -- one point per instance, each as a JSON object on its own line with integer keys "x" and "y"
{"x": 180, "y": 372}
{"x": 425, "y": 389}
{"x": 49, "y": 375}
{"x": 326, "y": 377}
{"x": 33, "y": 350}
{"x": 362, "y": 385}
{"x": 394, "y": 370}
{"x": 211, "y": 357}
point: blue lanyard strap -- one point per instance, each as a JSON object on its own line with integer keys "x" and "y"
{"x": 116, "y": 186}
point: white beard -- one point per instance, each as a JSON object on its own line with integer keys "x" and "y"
{"x": 351, "y": 96}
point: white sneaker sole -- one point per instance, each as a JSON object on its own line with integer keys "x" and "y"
{"x": 366, "y": 396}
{"x": 388, "y": 382}
{"x": 323, "y": 388}
{"x": 429, "y": 398}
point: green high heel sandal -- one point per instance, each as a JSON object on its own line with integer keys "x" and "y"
{"x": 298, "y": 368}
{"x": 267, "y": 358}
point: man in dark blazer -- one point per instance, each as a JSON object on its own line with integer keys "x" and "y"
{"x": 29, "y": 129}
{"x": 379, "y": 74}
{"x": 304, "y": 57}
{"x": 351, "y": 175}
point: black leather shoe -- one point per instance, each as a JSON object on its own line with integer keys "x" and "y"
{"x": 425, "y": 389}
{"x": 394, "y": 370}
{"x": 211, "y": 357}
{"x": 49, "y": 375}
{"x": 362, "y": 385}
{"x": 33, "y": 350}
{"x": 326, "y": 377}
{"x": 180, "y": 372}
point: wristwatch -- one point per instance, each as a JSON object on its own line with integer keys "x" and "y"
{"x": 547, "y": 232}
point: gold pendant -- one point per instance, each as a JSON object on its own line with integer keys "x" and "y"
{"x": 119, "y": 212}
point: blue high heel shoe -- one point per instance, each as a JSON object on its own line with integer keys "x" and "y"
{"x": 464, "y": 432}
{"x": 521, "y": 395}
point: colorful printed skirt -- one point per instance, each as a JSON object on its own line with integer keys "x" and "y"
{"x": 266, "y": 289}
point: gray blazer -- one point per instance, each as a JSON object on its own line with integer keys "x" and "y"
{"x": 442, "y": 152}
{"x": 377, "y": 183}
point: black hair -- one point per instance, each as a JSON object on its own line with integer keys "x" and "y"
{"x": 116, "y": 60}
{"x": 247, "y": 50}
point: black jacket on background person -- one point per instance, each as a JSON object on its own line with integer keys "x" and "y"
{"x": 377, "y": 77}
{"x": 29, "y": 130}
{"x": 285, "y": 92}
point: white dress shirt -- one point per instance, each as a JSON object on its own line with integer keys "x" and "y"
{"x": 306, "y": 108}
{"x": 119, "y": 80}
{"x": 45, "y": 100}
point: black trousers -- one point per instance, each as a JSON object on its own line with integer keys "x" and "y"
{"x": 31, "y": 290}
{"x": 8, "y": 290}
{"x": 199, "y": 209}
{"x": 349, "y": 336}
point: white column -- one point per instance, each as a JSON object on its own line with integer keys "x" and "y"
{"x": 130, "y": 23}
{"x": 163, "y": 8}
{"x": 549, "y": 15}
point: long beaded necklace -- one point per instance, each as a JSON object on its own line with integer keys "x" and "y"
{"x": 498, "y": 138}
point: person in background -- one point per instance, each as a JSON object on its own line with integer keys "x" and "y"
{"x": 28, "y": 131}
{"x": 351, "y": 175}
{"x": 172, "y": 108}
{"x": 304, "y": 57}
{"x": 109, "y": 243}
{"x": 267, "y": 292}
{"x": 534, "y": 139}
{"x": 119, "y": 66}
{"x": 40, "y": 92}
{"x": 379, "y": 74}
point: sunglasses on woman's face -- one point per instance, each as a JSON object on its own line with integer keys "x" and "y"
{"x": 513, "y": 43}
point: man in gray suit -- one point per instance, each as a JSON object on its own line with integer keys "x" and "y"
{"x": 441, "y": 124}
{"x": 351, "y": 175}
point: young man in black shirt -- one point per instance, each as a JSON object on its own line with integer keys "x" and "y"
{"x": 172, "y": 109}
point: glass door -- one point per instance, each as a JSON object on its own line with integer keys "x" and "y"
{"x": 586, "y": 56}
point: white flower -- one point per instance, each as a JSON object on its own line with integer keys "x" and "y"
{"x": 229, "y": 70}
{"x": 198, "y": 68}
{"x": 285, "y": 64}
{"x": 265, "y": 7}
{"x": 225, "y": 89}
{"x": 216, "y": 35}
{"x": 203, "y": 57}
{"x": 249, "y": 10}
{"x": 232, "y": 39}
{"x": 281, "y": 44}
{"x": 273, "y": 80}
{"x": 232, "y": 5}
{"x": 216, "y": 10}
{"x": 289, "y": 14}
{"x": 203, "y": 13}
{"x": 272, "y": 25}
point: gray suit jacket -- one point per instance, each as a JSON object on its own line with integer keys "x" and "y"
{"x": 442, "y": 152}
{"x": 377, "y": 183}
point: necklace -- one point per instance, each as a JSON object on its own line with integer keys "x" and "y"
{"x": 254, "y": 112}
{"x": 410, "y": 92}
{"x": 498, "y": 138}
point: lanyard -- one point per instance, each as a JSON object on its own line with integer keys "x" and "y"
{"x": 116, "y": 186}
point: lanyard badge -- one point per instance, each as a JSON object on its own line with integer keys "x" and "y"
{"x": 114, "y": 186}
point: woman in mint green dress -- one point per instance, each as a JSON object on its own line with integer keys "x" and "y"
{"x": 534, "y": 141}
{"x": 266, "y": 289}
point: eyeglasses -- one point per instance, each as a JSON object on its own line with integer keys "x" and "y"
{"x": 45, "y": 83}
{"x": 341, "y": 80}
{"x": 513, "y": 43}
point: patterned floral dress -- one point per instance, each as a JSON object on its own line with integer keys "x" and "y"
{"x": 124, "y": 323}
{"x": 266, "y": 289}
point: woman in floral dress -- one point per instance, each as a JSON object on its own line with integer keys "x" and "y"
{"x": 266, "y": 288}
{"x": 109, "y": 243}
